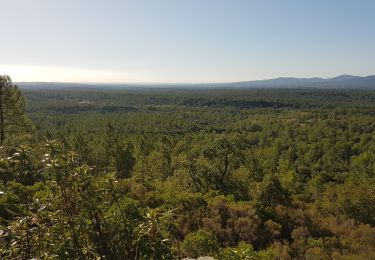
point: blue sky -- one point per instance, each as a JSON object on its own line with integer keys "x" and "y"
{"x": 169, "y": 41}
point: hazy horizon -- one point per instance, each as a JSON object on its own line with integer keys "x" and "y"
{"x": 187, "y": 83}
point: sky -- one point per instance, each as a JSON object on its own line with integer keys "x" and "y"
{"x": 185, "y": 41}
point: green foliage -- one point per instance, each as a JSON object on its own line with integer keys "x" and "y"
{"x": 199, "y": 243}
{"x": 268, "y": 194}
{"x": 86, "y": 213}
{"x": 12, "y": 108}
{"x": 164, "y": 174}
{"x": 354, "y": 198}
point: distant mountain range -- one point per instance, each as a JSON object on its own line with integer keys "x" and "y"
{"x": 347, "y": 81}
{"x": 342, "y": 81}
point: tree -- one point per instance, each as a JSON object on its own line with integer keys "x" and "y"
{"x": 268, "y": 194}
{"x": 12, "y": 106}
{"x": 125, "y": 162}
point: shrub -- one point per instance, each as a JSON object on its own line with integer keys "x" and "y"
{"x": 199, "y": 243}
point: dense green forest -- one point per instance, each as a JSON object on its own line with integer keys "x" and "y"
{"x": 165, "y": 173}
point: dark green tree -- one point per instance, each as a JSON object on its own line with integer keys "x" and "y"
{"x": 12, "y": 106}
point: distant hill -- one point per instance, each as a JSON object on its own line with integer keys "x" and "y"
{"x": 346, "y": 81}
{"x": 342, "y": 81}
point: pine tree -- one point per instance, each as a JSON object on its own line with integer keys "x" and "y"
{"x": 12, "y": 106}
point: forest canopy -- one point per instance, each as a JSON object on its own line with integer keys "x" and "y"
{"x": 173, "y": 173}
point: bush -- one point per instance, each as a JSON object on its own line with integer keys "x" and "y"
{"x": 199, "y": 243}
